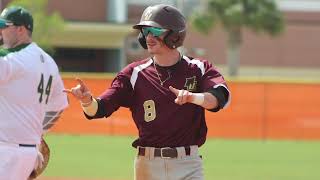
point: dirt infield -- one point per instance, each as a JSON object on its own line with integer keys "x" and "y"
{"x": 258, "y": 110}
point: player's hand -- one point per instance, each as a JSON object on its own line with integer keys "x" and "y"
{"x": 81, "y": 92}
{"x": 183, "y": 96}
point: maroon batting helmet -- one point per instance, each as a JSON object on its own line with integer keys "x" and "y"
{"x": 166, "y": 17}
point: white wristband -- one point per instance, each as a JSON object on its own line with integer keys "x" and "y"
{"x": 198, "y": 98}
{"x": 92, "y": 108}
{"x": 86, "y": 104}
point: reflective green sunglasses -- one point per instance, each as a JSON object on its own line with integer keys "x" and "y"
{"x": 155, "y": 31}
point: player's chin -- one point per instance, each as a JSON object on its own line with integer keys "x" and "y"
{"x": 152, "y": 49}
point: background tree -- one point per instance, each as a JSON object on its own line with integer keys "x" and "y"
{"x": 257, "y": 15}
{"x": 45, "y": 25}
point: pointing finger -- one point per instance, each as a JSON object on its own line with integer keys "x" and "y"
{"x": 67, "y": 90}
{"x": 174, "y": 90}
{"x": 80, "y": 82}
{"x": 83, "y": 87}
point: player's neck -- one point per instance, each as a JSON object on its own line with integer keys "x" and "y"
{"x": 25, "y": 40}
{"x": 168, "y": 59}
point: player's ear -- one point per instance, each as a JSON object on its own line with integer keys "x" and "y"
{"x": 20, "y": 29}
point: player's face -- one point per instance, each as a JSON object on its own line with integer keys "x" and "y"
{"x": 9, "y": 36}
{"x": 154, "y": 39}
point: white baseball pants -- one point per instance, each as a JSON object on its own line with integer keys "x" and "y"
{"x": 16, "y": 163}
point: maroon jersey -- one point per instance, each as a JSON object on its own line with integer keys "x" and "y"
{"x": 160, "y": 121}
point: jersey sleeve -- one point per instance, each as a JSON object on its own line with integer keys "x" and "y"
{"x": 10, "y": 66}
{"x": 118, "y": 95}
{"x": 213, "y": 79}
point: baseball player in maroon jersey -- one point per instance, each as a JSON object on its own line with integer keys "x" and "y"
{"x": 167, "y": 95}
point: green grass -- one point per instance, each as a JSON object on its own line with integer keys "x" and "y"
{"x": 111, "y": 157}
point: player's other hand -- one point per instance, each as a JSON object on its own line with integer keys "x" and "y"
{"x": 81, "y": 92}
{"x": 183, "y": 96}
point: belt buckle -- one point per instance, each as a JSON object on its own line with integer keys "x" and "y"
{"x": 161, "y": 152}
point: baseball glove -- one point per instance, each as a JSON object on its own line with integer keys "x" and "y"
{"x": 42, "y": 160}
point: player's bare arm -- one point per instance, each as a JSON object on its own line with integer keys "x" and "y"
{"x": 206, "y": 100}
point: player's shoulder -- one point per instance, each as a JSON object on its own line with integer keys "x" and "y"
{"x": 38, "y": 51}
{"x": 197, "y": 61}
{"x": 137, "y": 65}
{"x": 139, "y": 62}
{"x": 25, "y": 52}
{"x": 191, "y": 59}
{"x": 40, "y": 56}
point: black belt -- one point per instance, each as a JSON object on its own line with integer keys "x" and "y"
{"x": 27, "y": 145}
{"x": 164, "y": 152}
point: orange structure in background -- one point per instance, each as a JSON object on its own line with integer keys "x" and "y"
{"x": 259, "y": 110}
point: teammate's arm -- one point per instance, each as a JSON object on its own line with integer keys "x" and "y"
{"x": 50, "y": 119}
{"x": 56, "y": 101}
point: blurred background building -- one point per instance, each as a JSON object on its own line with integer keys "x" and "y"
{"x": 98, "y": 36}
